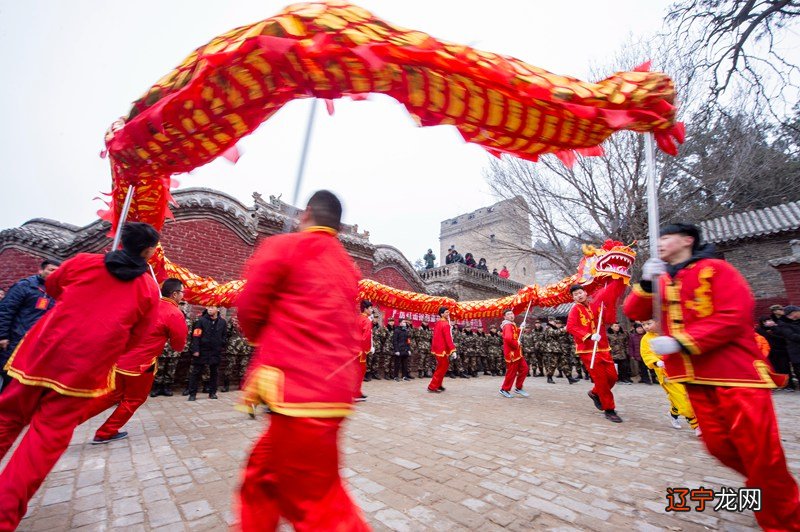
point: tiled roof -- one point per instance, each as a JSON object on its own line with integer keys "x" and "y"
{"x": 760, "y": 222}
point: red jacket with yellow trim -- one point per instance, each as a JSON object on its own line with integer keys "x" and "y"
{"x": 97, "y": 317}
{"x": 299, "y": 308}
{"x": 707, "y": 307}
{"x": 366, "y": 337}
{"x": 511, "y": 348}
{"x": 582, "y": 319}
{"x": 170, "y": 327}
{"x": 442, "y": 343}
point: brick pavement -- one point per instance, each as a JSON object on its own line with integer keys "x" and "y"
{"x": 463, "y": 460}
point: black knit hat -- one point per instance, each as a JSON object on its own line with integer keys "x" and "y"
{"x": 683, "y": 229}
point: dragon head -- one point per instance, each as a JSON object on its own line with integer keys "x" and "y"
{"x": 611, "y": 261}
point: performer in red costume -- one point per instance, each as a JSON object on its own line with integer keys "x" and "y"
{"x": 442, "y": 347}
{"x": 516, "y": 366}
{"x": 105, "y": 305}
{"x": 136, "y": 369}
{"x": 582, "y": 325}
{"x": 299, "y": 307}
{"x": 365, "y": 333}
{"x": 707, "y": 343}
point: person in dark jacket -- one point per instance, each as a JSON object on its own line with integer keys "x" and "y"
{"x": 789, "y": 328}
{"x": 768, "y": 327}
{"x": 618, "y": 342}
{"x": 401, "y": 343}
{"x": 482, "y": 265}
{"x": 469, "y": 260}
{"x": 26, "y": 302}
{"x": 209, "y": 337}
{"x": 634, "y": 351}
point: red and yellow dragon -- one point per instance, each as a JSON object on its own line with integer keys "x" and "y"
{"x": 226, "y": 88}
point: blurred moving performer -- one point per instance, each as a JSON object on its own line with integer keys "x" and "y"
{"x": 299, "y": 308}
{"x": 136, "y": 369}
{"x": 105, "y": 305}
{"x": 707, "y": 343}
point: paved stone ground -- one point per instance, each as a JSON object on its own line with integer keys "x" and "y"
{"x": 463, "y": 460}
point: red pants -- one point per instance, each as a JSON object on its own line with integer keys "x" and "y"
{"x": 130, "y": 392}
{"x": 604, "y": 376}
{"x": 293, "y": 472}
{"x": 442, "y": 364}
{"x": 52, "y": 418}
{"x": 515, "y": 370}
{"x": 363, "y": 368}
{"x": 740, "y": 430}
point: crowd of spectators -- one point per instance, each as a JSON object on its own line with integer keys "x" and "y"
{"x": 454, "y": 257}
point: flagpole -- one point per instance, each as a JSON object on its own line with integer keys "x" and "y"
{"x": 303, "y": 157}
{"x": 122, "y": 217}
{"x": 652, "y": 216}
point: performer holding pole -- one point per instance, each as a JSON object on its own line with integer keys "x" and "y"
{"x": 136, "y": 369}
{"x": 596, "y": 336}
{"x": 585, "y": 324}
{"x": 516, "y": 366}
{"x": 299, "y": 308}
{"x": 105, "y": 304}
{"x": 442, "y": 347}
{"x": 707, "y": 343}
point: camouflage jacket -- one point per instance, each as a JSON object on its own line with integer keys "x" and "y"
{"x": 237, "y": 344}
{"x": 618, "y": 342}
{"x": 528, "y": 342}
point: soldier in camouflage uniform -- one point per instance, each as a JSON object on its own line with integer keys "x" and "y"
{"x": 237, "y": 356}
{"x": 375, "y": 359}
{"x": 387, "y": 351}
{"x": 527, "y": 342}
{"x": 555, "y": 348}
{"x": 456, "y": 368}
{"x": 470, "y": 351}
{"x": 426, "y": 360}
{"x": 537, "y": 368}
{"x": 168, "y": 361}
{"x": 413, "y": 357}
{"x": 480, "y": 350}
{"x": 494, "y": 348}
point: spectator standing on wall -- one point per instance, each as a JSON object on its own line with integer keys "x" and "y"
{"x": 504, "y": 273}
{"x": 429, "y": 259}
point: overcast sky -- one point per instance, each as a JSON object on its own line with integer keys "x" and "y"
{"x": 71, "y": 68}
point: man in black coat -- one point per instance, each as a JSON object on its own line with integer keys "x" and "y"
{"x": 778, "y": 354}
{"x": 209, "y": 336}
{"x": 401, "y": 343}
{"x": 789, "y": 328}
{"x": 25, "y": 303}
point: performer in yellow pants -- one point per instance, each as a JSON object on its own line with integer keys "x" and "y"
{"x": 676, "y": 392}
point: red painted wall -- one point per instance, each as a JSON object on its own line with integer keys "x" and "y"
{"x": 15, "y": 265}
{"x": 791, "y": 281}
{"x": 206, "y": 247}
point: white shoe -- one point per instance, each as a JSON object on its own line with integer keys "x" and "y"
{"x": 698, "y": 432}
{"x": 523, "y": 393}
{"x": 676, "y": 424}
